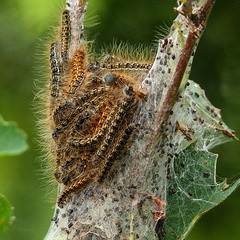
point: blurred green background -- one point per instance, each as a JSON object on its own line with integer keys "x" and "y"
{"x": 25, "y": 26}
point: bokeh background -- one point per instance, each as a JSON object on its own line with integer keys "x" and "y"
{"x": 25, "y": 26}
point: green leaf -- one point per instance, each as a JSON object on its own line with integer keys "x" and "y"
{"x": 12, "y": 139}
{"x": 192, "y": 186}
{"x": 192, "y": 191}
{"x": 6, "y": 212}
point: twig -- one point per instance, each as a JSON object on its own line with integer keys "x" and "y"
{"x": 199, "y": 20}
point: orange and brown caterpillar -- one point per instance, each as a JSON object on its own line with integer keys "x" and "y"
{"x": 91, "y": 119}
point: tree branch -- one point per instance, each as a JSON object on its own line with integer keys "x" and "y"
{"x": 134, "y": 197}
{"x": 198, "y": 22}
